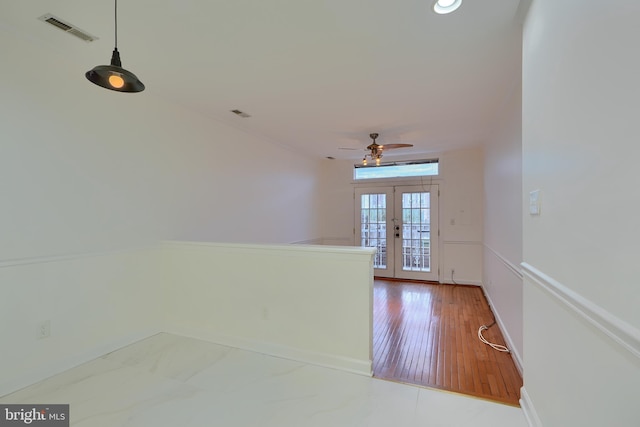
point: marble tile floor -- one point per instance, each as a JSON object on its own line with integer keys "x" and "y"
{"x": 169, "y": 380}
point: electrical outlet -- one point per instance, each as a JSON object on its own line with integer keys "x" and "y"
{"x": 44, "y": 329}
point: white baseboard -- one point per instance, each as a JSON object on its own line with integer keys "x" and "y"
{"x": 508, "y": 266}
{"x": 355, "y": 366}
{"x": 462, "y": 282}
{"x": 515, "y": 355}
{"x": 58, "y": 366}
{"x": 530, "y": 413}
{"x": 360, "y": 367}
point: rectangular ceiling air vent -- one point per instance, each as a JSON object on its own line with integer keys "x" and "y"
{"x": 68, "y": 28}
{"x": 240, "y": 113}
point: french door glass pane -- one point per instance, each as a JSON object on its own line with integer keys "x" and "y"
{"x": 416, "y": 232}
{"x": 373, "y": 220}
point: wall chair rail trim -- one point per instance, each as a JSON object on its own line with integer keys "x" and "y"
{"x": 6, "y": 263}
{"x": 515, "y": 269}
{"x": 621, "y": 332}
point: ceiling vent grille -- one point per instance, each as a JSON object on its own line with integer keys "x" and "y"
{"x": 66, "y": 27}
{"x": 240, "y": 114}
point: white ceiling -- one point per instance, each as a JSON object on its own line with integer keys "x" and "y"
{"x": 315, "y": 75}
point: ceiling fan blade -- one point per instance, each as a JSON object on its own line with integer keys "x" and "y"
{"x": 349, "y": 148}
{"x": 391, "y": 146}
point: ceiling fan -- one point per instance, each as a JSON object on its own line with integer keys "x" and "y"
{"x": 375, "y": 149}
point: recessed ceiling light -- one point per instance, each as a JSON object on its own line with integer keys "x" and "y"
{"x": 443, "y": 7}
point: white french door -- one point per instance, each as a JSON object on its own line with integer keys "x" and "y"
{"x": 374, "y": 226}
{"x": 401, "y": 222}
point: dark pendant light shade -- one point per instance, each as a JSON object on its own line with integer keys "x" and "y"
{"x": 114, "y": 77}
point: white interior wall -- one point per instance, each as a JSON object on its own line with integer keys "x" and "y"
{"x": 580, "y": 132}
{"x": 87, "y": 169}
{"x": 310, "y": 303}
{"x": 461, "y": 215}
{"x": 461, "y": 212}
{"x": 90, "y": 179}
{"x": 337, "y": 202}
{"x": 94, "y": 303}
{"x": 240, "y": 295}
{"x": 502, "y": 276}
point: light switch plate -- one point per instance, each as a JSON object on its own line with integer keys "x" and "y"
{"x": 534, "y": 202}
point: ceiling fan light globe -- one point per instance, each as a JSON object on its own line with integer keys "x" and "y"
{"x": 442, "y": 7}
{"x": 446, "y": 3}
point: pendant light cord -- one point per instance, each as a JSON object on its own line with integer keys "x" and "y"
{"x": 116, "y": 21}
{"x": 113, "y": 76}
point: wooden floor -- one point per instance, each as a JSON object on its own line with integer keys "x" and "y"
{"x": 427, "y": 334}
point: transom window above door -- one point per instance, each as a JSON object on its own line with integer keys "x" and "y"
{"x": 411, "y": 168}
